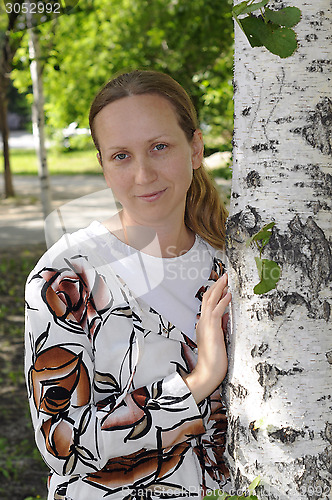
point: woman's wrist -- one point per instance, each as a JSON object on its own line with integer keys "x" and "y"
{"x": 200, "y": 387}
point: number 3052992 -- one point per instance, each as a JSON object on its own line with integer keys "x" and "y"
{"x": 33, "y": 8}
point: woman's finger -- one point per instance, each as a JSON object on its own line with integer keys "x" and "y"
{"x": 220, "y": 307}
{"x": 215, "y": 291}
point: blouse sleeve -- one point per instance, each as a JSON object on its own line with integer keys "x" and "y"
{"x": 65, "y": 308}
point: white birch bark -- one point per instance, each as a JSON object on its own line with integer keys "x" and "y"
{"x": 38, "y": 121}
{"x": 280, "y": 369}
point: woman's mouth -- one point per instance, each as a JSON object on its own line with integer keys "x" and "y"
{"x": 155, "y": 195}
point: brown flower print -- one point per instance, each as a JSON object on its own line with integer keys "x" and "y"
{"x": 132, "y": 414}
{"x": 77, "y": 296}
{"x": 143, "y": 465}
{"x": 211, "y": 448}
{"x": 217, "y": 270}
{"x": 59, "y": 378}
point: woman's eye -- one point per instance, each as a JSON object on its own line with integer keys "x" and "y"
{"x": 160, "y": 147}
{"x": 120, "y": 156}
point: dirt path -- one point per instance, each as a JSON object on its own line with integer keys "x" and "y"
{"x": 81, "y": 197}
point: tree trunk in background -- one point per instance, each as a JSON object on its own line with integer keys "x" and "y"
{"x": 6, "y": 56}
{"x": 9, "y": 188}
{"x": 280, "y": 367}
{"x": 38, "y": 121}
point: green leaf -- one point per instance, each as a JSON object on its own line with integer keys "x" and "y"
{"x": 288, "y": 17}
{"x": 259, "y": 265}
{"x": 280, "y": 41}
{"x": 269, "y": 276}
{"x": 263, "y": 234}
{"x": 254, "y": 484}
{"x": 244, "y": 8}
{"x": 223, "y": 496}
{"x": 254, "y": 29}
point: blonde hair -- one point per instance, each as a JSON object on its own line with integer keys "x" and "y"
{"x": 205, "y": 213}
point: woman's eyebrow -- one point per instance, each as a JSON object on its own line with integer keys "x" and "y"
{"x": 153, "y": 139}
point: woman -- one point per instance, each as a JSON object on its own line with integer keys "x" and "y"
{"x": 123, "y": 385}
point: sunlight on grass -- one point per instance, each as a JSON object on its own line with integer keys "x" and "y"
{"x": 24, "y": 162}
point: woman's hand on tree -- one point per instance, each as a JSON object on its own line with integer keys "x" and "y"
{"x": 211, "y": 366}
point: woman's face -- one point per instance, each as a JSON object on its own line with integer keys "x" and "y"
{"x": 146, "y": 158}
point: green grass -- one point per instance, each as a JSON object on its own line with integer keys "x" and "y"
{"x": 24, "y": 162}
{"x": 23, "y": 473}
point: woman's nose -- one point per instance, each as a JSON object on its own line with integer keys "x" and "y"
{"x": 145, "y": 171}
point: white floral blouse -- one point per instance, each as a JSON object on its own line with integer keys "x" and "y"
{"x": 113, "y": 417}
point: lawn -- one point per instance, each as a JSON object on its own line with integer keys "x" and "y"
{"x": 22, "y": 472}
{"x": 24, "y": 162}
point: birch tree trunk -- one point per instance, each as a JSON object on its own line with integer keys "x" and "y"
{"x": 280, "y": 370}
{"x": 38, "y": 121}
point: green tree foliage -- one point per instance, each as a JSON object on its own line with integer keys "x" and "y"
{"x": 192, "y": 41}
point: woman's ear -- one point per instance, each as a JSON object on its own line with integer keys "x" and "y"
{"x": 197, "y": 149}
{"x": 99, "y": 159}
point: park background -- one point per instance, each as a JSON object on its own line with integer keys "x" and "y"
{"x": 80, "y": 51}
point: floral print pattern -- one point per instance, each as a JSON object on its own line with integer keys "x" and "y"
{"x": 112, "y": 414}
{"x": 75, "y": 295}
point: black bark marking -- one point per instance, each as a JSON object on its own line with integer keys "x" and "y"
{"x": 246, "y": 111}
{"x": 281, "y": 300}
{"x": 305, "y": 246}
{"x": 238, "y": 390}
{"x": 318, "y": 65}
{"x": 253, "y": 179}
{"x": 312, "y": 251}
{"x": 328, "y": 432}
{"x": 328, "y": 355}
{"x": 267, "y": 146}
{"x": 286, "y": 119}
{"x": 324, "y": 398}
{"x": 318, "y": 131}
{"x": 269, "y": 375}
{"x": 240, "y": 226}
{"x": 322, "y": 183}
{"x": 235, "y": 430}
{"x": 259, "y": 350}
{"x": 248, "y": 218}
{"x": 311, "y": 38}
{"x": 286, "y": 435}
{"x": 326, "y": 310}
{"x": 310, "y": 484}
{"x": 325, "y": 458}
{"x": 311, "y": 435}
{"x": 253, "y": 430}
{"x": 317, "y": 206}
